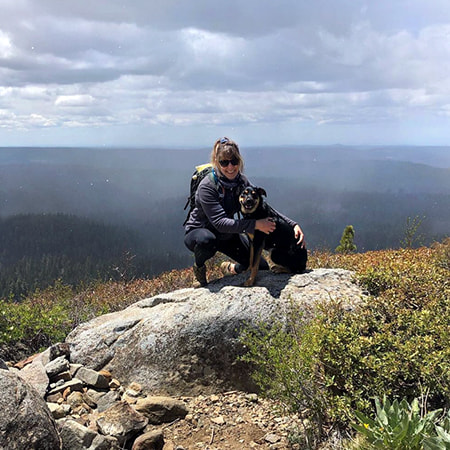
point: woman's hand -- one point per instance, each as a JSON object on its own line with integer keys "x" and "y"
{"x": 265, "y": 225}
{"x": 299, "y": 236}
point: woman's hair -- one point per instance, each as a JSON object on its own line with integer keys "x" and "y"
{"x": 225, "y": 148}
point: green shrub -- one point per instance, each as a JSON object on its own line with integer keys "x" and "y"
{"x": 37, "y": 321}
{"x": 396, "y": 343}
{"x": 442, "y": 254}
{"x": 402, "y": 426}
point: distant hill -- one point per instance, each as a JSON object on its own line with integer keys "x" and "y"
{"x": 126, "y": 185}
{"x": 143, "y": 191}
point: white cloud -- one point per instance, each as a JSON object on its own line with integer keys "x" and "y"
{"x": 179, "y": 64}
{"x": 5, "y": 45}
{"x": 74, "y": 100}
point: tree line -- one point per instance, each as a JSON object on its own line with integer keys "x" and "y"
{"x": 37, "y": 249}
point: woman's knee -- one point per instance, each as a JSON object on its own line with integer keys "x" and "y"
{"x": 199, "y": 237}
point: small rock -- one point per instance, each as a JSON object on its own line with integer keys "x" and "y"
{"x": 57, "y": 410}
{"x": 55, "y": 351}
{"x": 92, "y": 378}
{"x": 121, "y": 422}
{"x": 107, "y": 400}
{"x": 89, "y": 400}
{"x": 272, "y": 438}
{"x": 104, "y": 443}
{"x": 153, "y": 440}
{"x": 135, "y": 387}
{"x": 55, "y": 398}
{"x": 161, "y": 409}
{"x": 75, "y": 436}
{"x": 73, "y": 385}
{"x": 106, "y": 373}
{"x": 218, "y": 420}
{"x": 114, "y": 384}
{"x": 128, "y": 399}
{"x": 73, "y": 368}
{"x": 95, "y": 395}
{"x": 65, "y": 376}
{"x": 75, "y": 399}
{"x": 56, "y": 366}
{"x": 132, "y": 393}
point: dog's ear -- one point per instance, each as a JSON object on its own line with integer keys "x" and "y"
{"x": 261, "y": 191}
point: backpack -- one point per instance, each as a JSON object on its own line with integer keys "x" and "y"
{"x": 200, "y": 172}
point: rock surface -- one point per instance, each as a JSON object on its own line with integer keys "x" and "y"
{"x": 179, "y": 342}
{"x": 187, "y": 340}
{"x": 26, "y": 422}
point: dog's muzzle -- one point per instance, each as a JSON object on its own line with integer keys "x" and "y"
{"x": 248, "y": 203}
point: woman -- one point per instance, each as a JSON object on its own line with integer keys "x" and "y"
{"x": 211, "y": 227}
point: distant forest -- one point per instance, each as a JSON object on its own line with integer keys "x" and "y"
{"x": 85, "y": 214}
{"x": 36, "y": 250}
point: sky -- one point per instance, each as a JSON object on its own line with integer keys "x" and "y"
{"x": 263, "y": 72}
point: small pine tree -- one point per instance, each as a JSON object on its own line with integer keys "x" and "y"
{"x": 346, "y": 244}
{"x": 412, "y": 236}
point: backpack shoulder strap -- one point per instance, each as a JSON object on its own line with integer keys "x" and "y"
{"x": 215, "y": 179}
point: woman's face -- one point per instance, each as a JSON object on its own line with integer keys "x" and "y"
{"x": 228, "y": 166}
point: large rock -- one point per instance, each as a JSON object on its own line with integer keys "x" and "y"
{"x": 35, "y": 374}
{"x": 25, "y": 421}
{"x": 187, "y": 341}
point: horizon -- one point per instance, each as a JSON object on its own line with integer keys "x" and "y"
{"x": 209, "y": 146}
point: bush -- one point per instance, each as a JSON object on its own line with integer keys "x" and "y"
{"x": 396, "y": 344}
{"x": 39, "y": 320}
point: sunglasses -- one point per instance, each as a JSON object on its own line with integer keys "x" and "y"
{"x": 226, "y": 162}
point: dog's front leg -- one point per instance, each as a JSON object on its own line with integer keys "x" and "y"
{"x": 256, "y": 248}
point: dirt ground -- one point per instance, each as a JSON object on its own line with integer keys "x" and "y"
{"x": 232, "y": 421}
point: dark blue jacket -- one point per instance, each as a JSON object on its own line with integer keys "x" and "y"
{"x": 217, "y": 204}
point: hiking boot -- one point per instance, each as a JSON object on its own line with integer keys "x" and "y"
{"x": 200, "y": 277}
{"x": 227, "y": 268}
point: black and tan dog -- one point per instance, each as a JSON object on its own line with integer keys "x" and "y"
{"x": 283, "y": 247}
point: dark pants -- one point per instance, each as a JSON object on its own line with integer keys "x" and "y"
{"x": 204, "y": 243}
{"x": 294, "y": 260}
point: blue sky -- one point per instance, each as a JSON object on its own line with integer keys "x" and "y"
{"x": 182, "y": 73}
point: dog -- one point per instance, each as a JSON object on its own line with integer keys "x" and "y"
{"x": 285, "y": 253}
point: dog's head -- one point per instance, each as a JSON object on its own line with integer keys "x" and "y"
{"x": 251, "y": 198}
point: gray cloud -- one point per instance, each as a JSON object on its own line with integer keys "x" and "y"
{"x": 204, "y": 67}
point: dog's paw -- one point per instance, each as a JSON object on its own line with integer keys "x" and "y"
{"x": 249, "y": 283}
{"x": 276, "y": 268}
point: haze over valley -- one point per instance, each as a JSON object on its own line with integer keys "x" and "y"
{"x": 138, "y": 196}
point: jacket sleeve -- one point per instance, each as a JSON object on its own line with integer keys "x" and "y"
{"x": 209, "y": 200}
{"x": 285, "y": 218}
